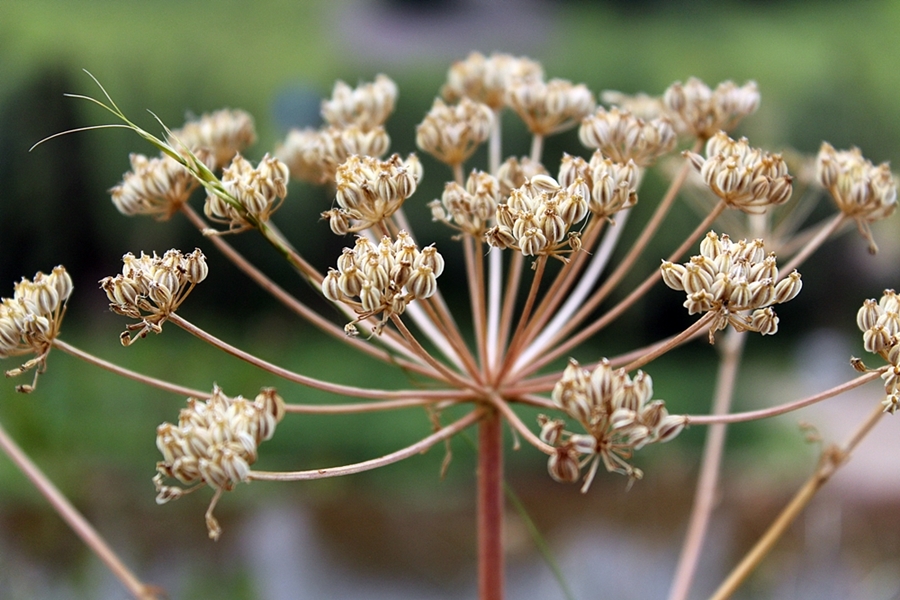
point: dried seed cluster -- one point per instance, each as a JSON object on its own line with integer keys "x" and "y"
{"x": 622, "y": 137}
{"x": 537, "y": 216}
{"x": 880, "y": 323}
{"x": 258, "y": 192}
{"x": 486, "y": 79}
{"x": 384, "y": 278}
{"x": 214, "y": 444}
{"x": 451, "y": 133}
{"x": 160, "y": 186}
{"x": 861, "y": 190}
{"x": 732, "y": 278}
{"x": 469, "y": 208}
{"x": 746, "y": 178}
{"x": 370, "y": 190}
{"x": 612, "y": 185}
{"x": 549, "y": 107}
{"x": 701, "y": 112}
{"x": 30, "y": 320}
{"x": 618, "y": 414}
{"x": 354, "y": 125}
{"x": 154, "y": 186}
{"x": 150, "y": 288}
{"x": 222, "y": 133}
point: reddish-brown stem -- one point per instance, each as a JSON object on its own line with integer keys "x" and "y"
{"x": 490, "y": 507}
{"x": 622, "y": 306}
{"x": 517, "y": 341}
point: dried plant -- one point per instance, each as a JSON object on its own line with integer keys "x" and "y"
{"x": 510, "y": 216}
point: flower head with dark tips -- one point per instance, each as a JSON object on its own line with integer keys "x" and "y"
{"x": 31, "y": 319}
{"x": 549, "y": 107}
{"x": 861, "y": 190}
{"x": 214, "y": 444}
{"x": 258, "y": 192}
{"x": 622, "y": 137}
{"x": 486, "y": 79}
{"x": 618, "y": 416}
{"x": 732, "y": 279}
{"x": 221, "y": 134}
{"x": 701, "y": 112}
{"x": 452, "y": 132}
{"x": 383, "y": 279}
{"x": 150, "y": 288}
{"x": 880, "y": 323}
{"x": 745, "y": 178}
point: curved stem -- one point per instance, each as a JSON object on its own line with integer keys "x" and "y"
{"x": 128, "y": 373}
{"x": 74, "y": 519}
{"x": 781, "y": 409}
{"x": 673, "y": 342}
{"x": 732, "y": 349}
{"x": 364, "y": 407}
{"x": 417, "y": 448}
{"x": 325, "y": 386}
{"x": 823, "y": 234}
{"x": 446, "y": 373}
{"x": 832, "y": 459}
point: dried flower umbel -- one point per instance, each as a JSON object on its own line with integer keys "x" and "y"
{"x": 30, "y": 320}
{"x": 214, "y": 444}
{"x": 506, "y": 215}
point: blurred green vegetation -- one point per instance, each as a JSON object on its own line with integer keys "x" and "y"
{"x": 826, "y": 71}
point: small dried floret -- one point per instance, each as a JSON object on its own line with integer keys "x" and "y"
{"x": 254, "y": 193}
{"x": 486, "y": 80}
{"x": 862, "y": 191}
{"x": 31, "y": 319}
{"x": 451, "y": 133}
{"x": 733, "y": 279}
{"x": 622, "y": 137}
{"x": 367, "y": 106}
{"x": 315, "y": 155}
{"x": 745, "y": 178}
{"x": 549, "y": 107}
{"x": 222, "y": 134}
{"x": 154, "y": 186}
{"x": 370, "y": 190}
{"x": 384, "y": 278}
{"x": 537, "y": 216}
{"x": 150, "y": 288}
{"x": 468, "y": 208}
{"x": 618, "y": 415}
{"x": 214, "y": 444}
{"x": 701, "y": 112}
{"x": 880, "y": 323}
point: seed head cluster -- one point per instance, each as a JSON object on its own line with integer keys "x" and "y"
{"x": 537, "y": 216}
{"x": 468, "y": 209}
{"x": 618, "y": 414}
{"x": 622, "y": 137}
{"x": 701, "y": 112}
{"x": 732, "y": 279}
{"x": 31, "y": 319}
{"x": 383, "y": 279}
{"x": 354, "y": 125}
{"x": 222, "y": 133}
{"x": 258, "y": 191}
{"x": 487, "y": 79}
{"x": 214, "y": 444}
{"x": 370, "y": 190}
{"x": 861, "y": 190}
{"x": 150, "y": 288}
{"x": 549, "y": 107}
{"x": 451, "y": 133}
{"x": 746, "y": 178}
{"x": 880, "y": 323}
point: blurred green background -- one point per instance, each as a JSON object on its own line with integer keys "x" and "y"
{"x": 826, "y": 70}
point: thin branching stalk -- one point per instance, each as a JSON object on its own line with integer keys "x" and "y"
{"x": 74, "y": 519}
{"x": 514, "y": 346}
{"x": 731, "y": 349}
{"x": 475, "y": 272}
{"x": 312, "y": 382}
{"x": 831, "y": 460}
{"x": 765, "y": 413}
{"x": 127, "y": 373}
{"x": 823, "y": 234}
{"x": 419, "y": 447}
